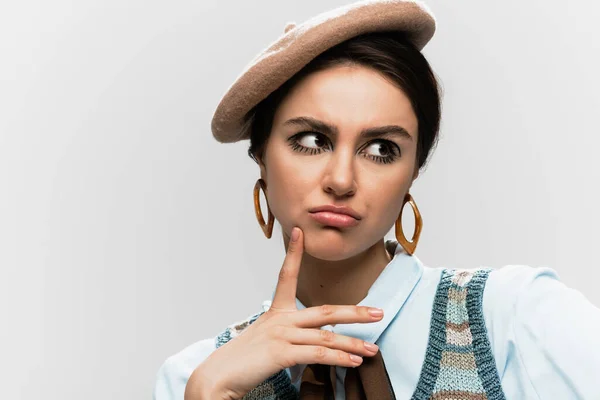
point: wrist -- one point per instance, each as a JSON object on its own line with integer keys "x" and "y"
{"x": 204, "y": 386}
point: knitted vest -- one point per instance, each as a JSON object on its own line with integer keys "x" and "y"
{"x": 458, "y": 364}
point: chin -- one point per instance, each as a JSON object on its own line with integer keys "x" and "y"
{"x": 330, "y": 244}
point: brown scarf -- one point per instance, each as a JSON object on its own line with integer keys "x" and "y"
{"x": 368, "y": 381}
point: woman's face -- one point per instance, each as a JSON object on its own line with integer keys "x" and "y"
{"x": 343, "y": 136}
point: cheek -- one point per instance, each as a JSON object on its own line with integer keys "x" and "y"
{"x": 289, "y": 181}
{"x": 386, "y": 195}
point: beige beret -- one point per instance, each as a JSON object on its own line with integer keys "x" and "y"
{"x": 302, "y": 43}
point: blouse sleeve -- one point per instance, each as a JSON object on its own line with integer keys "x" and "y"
{"x": 552, "y": 347}
{"x": 173, "y": 374}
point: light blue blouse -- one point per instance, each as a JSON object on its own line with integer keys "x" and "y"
{"x": 545, "y": 336}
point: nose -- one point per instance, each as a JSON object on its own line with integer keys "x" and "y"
{"x": 339, "y": 177}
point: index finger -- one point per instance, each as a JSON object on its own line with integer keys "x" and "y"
{"x": 285, "y": 292}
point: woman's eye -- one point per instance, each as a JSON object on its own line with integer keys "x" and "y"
{"x": 311, "y": 140}
{"x": 379, "y": 149}
{"x": 308, "y": 142}
{"x": 383, "y": 151}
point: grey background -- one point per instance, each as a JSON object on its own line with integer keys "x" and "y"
{"x": 128, "y": 233}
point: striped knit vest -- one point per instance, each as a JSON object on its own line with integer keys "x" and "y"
{"x": 458, "y": 364}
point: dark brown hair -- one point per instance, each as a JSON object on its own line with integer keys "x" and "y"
{"x": 389, "y": 53}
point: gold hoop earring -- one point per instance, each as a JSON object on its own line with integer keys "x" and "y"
{"x": 268, "y": 226}
{"x": 409, "y": 247}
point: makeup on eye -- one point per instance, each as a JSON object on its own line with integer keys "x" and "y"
{"x": 393, "y": 151}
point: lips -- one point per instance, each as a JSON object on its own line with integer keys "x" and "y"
{"x": 330, "y": 215}
{"x": 336, "y": 209}
{"x": 334, "y": 219}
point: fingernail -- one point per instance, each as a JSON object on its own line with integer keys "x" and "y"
{"x": 356, "y": 359}
{"x": 371, "y": 346}
{"x": 376, "y": 312}
{"x": 295, "y": 234}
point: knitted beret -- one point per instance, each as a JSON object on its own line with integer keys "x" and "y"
{"x": 302, "y": 43}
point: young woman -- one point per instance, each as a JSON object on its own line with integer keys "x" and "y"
{"x": 342, "y": 113}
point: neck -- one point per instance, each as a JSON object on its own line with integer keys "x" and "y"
{"x": 340, "y": 282}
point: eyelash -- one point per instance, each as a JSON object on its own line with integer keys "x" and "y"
{"x": 379, "y": 159}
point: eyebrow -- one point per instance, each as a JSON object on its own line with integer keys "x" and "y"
{"x": 368, "y": 133}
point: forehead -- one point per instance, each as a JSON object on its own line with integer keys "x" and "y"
{"x": 351, "y": 97}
